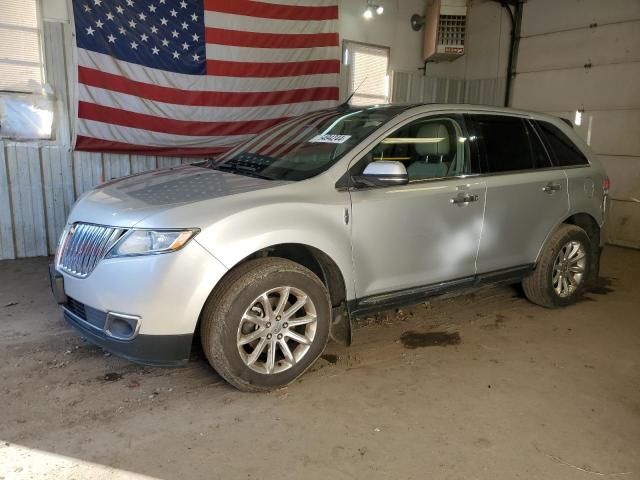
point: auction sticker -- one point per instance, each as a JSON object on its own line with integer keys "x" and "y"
{"x": 330, "y": 138}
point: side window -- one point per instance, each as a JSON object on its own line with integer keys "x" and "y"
{"x": 564, "y": 151}
{"x": 508, "y": 144}
{"x": 431, "y": 147}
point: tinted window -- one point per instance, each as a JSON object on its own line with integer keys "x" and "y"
{"x": 508, "y": 144}
{"x": 431, "y": 147}
{"x": 564, "y": 152}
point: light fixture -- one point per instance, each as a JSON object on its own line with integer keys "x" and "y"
{"x": 578, "y": 118}
{"x": 371, "y": 7}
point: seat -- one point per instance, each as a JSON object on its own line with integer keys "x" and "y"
{"x": 432, "y": 148}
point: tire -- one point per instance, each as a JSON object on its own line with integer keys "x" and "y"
{"x": 236, "y": 312}
{"x": 542, "y": 286}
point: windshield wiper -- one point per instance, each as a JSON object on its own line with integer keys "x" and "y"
{"x": 241, "y": 171}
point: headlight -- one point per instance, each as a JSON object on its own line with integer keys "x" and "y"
{"x": 150, "y": 242}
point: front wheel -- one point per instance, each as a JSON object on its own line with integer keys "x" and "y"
{"x": 266, "y": 323}
{"x": 562, "y": 271}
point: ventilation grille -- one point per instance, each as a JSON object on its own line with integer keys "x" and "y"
{"x": 451, "y": 30}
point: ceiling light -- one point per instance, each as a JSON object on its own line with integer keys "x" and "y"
{"x": 380, "y": 10}
{"x": 368, "y": 13}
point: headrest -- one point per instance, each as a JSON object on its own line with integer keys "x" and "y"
{"x": 438, "y": 137}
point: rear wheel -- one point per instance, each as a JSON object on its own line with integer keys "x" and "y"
{"x": 266, "y": 323}
{"x": 562, "y": 271}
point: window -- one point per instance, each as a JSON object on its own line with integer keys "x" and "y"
{"x": 367, "y": 73}
{"x": 564, "y": 151}
{"x": 26, "y": 112}
{"x": 432, "y": 147}
{"x": 20, "y": 54}
{"x": 303, "y": 147}
{"x": 508, "y": 144}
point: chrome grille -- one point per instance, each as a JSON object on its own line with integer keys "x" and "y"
{"x": 83, "y": 246}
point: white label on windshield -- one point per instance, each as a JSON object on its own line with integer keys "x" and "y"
{"x": 330, "y": 139}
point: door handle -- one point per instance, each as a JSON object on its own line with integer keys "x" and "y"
{"x": 463, "y": 199}
{"x": 551, "y": 187}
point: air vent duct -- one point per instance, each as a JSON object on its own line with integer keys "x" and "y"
{"x": 445, "y": 27}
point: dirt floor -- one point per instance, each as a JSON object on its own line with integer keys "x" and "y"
{"x": 482, "y": 386}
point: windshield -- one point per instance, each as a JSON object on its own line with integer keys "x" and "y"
{"x": 302, "y": 147}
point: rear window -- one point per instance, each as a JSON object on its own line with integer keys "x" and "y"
{"x": 508, "y": 144}
{"x": 564, "y": 151}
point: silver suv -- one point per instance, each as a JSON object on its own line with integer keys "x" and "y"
{"x": 269, "y": 250}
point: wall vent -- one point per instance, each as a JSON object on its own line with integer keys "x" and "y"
{"x": 445, "y": 29}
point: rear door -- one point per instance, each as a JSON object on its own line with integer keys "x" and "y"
{"x": 526, "y": 195}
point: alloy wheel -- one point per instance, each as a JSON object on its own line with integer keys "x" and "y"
{"x": 277, "y": 330}
{"x": 569, "y": 268}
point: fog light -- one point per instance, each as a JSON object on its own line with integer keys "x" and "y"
{"x": 122, "y": 327}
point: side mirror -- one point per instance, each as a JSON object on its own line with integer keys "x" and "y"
{"x": 382, "y": 174}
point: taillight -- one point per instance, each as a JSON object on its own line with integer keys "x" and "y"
{"x": 606, "y": 184}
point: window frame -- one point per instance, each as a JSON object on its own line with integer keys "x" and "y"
{"x": 347, "y": 62}
{"x": 482, "y": 153}
{"x": 43, "y": 67}
{"x": 346, "y": 182}
{"x": 551, "y": 152}
{"x": 58, "y": 110}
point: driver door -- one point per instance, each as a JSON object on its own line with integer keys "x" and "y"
{"x": 408, "y": 239}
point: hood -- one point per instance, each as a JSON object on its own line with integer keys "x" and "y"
{"x": 129, "y": 200}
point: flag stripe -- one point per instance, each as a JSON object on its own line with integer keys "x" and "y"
{"x": 279, "y": 55}
{"x": 221, "y": 36}
{"x": 261, "y": 70}
{"x": 90, "y": 144}
{"x": 270, "y": 10}
{"x": 142, "y": 136}
{"x": 107, "y": 64}
{"x": 116, "y": 116}
{"x": 230, "y": 21}
{"x": 117, "y": 83}
{"x": 133, "y": 103}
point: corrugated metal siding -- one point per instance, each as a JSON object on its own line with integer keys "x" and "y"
{"x": 38, "y": 185}
{"x": 413, "y": 87}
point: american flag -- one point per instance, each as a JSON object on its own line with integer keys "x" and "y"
{"x": 195, "y": 77}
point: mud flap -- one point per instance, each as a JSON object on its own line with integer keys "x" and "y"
{"x": 341, "y": 326}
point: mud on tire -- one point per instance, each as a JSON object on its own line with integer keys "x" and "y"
{"x": 254, "y": 304}
{"x": 561, "y": 263}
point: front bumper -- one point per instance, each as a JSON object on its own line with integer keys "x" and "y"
{"x": 156, "y": 350}
{"x": 163, "y": 294}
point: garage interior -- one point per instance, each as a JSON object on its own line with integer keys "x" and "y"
{"x": 478, "y": 385}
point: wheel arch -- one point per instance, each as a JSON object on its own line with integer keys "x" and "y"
{"x": 590, "y": 225}
{"x": 327, "y": 270}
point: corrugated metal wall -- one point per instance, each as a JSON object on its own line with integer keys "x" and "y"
{"x": 415, "y": 87}
{"x": 38, "y": 185}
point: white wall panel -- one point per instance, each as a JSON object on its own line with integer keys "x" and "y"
{"x": 607, "y": 44}
{"x": 27, "y": 199}
{"x": 57, "y": 175}
{"x": 624, "y": 173}
{"x": 545, "y": 16}
{"x": 599, "y": 88}
{"x": 624, "y": 227}
{"x": 7, "y": 247}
